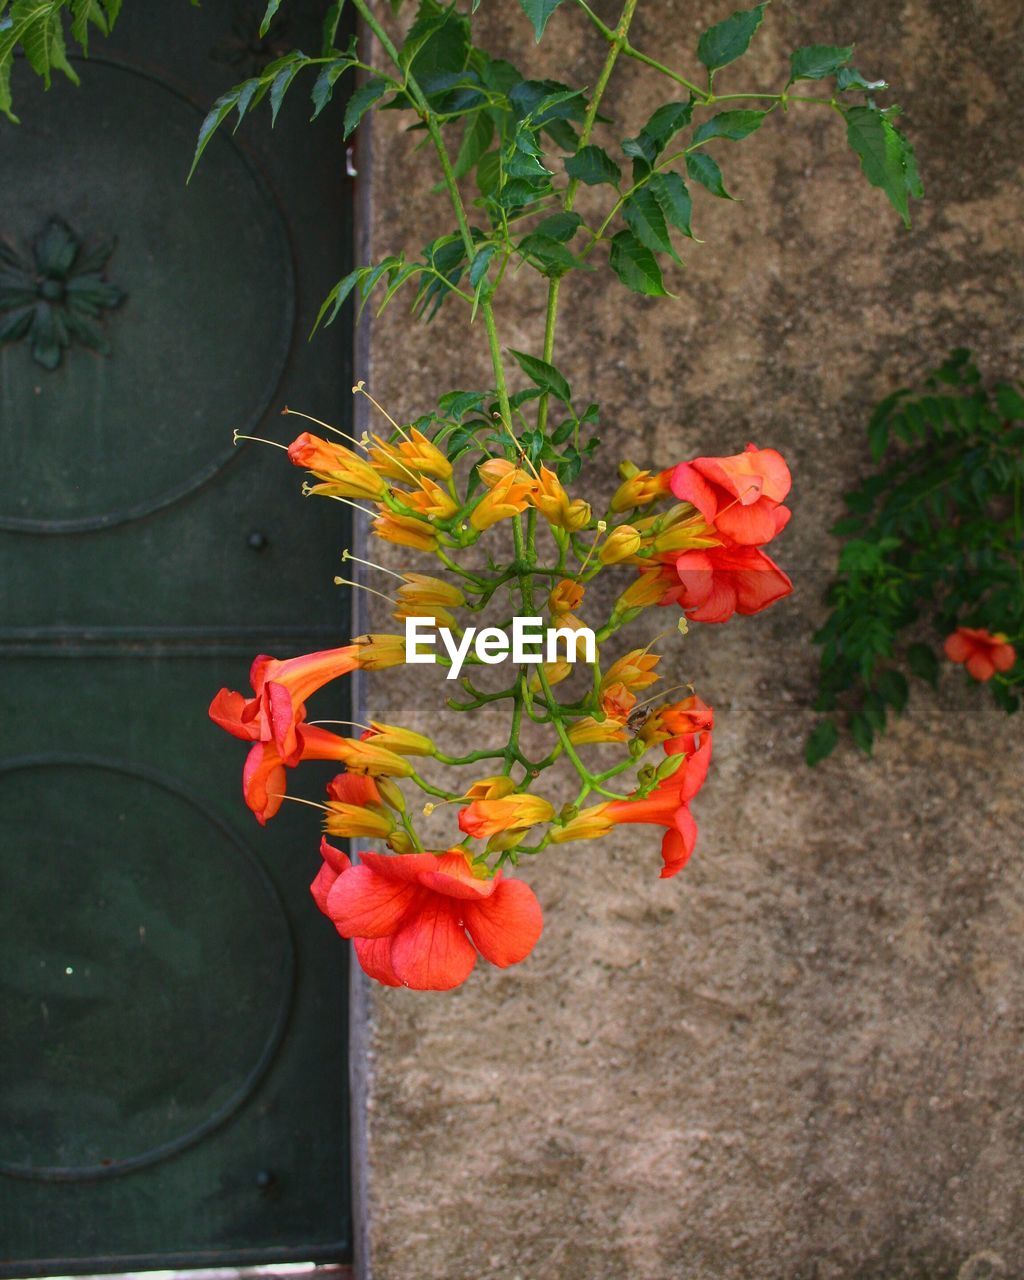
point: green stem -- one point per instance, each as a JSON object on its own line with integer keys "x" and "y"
{"x": 429, "y": 118}
{"x": 617, "y": 39}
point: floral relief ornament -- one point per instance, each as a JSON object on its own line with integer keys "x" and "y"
{"x": 54, "y": 296}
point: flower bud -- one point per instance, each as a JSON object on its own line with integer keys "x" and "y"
{"x": 391, "y": 794}
{"x": 565, "y": 597}
{"x": 638, "y": 488}
{"x": 406, "y": 531}
{"x": 412, "y": 457}
{"x": 620, "y": 544}
{"x": 377, "y": 652}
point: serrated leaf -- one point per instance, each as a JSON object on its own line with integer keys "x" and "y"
{"x": 335, "y": 299}
{"x": 671, "y": 193}
{"x": 281, "y": 83}
{"x": 551, "y": 256}
{"x": 592, "y": 165}
{"x": 214, "y": 119}
{"x": 666, "y": 122}
{"x": 821, "y": 742}
{"x": 329, "y": 30}
{"x": 733, "y": 125}
{"x": 644, "y": 217}
{"x": 476, "y": 139}
{"x": 323, "y": 87}
{"x": 539, "y": 11}
{"x": 726, "y": 41}
{"x": 816, "y": 61}
{"x": 268, "y": 16}
{"x": 636, "y": 266}
{"x": 371, "y": 91}
{"x": 480, "y": 263}
{"x": 560, "y": 226}
{"x": 703, "y": 169}
{"x": 545, "y": 375}
{"x": 883, "y": 155}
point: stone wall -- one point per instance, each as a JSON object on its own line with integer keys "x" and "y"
{"x": 802, "y": 1056}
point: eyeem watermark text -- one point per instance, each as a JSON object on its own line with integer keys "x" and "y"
{"x": 527, "y": 641}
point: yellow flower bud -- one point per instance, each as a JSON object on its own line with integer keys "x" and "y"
{"x": 402, "y": 741}
{"x": 634, "y": 670}
{"x": 589, "y": 824}
{"x": 565, "y": 597}
{"x": 406, "y": 531}
{"x": 588, "y": 730}
{"x": 620, "y": 544}
{"x": 417, "y": 455}
{"x": 377, "y": 652}
{"x": 638, "y": 488}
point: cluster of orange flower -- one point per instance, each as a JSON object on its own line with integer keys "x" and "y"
{"x": 693, "y": 536}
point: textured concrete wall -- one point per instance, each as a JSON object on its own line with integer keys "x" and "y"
{"x": 801, "y": 1057}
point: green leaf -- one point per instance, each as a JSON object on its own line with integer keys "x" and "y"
{"x": 849, "y": 78}
{"x": 636, "y": 266}
{"x": 5, "y": 92}
{"x": 545, "y": 375}
{"x": 323, "y": 88}
{"x": 282, "y": 83}
{"x": 475, "y": 140}
{"x": 592, "y": 166}
{"x": 666, "y": 122}
{"x": 82, "y": 13}
{"x": 550, "y": 256}
{"x": 733, "y": 125}
{"x": 923, "y": 663}
{"x": 371, "y": 91}
{"x": 214, "y": 119}
{"x": 862, "y": 732}
{"x": 560, "y": 226}
{"x": 38, "y": 26}
{"x": 703, "y": 169}
{"x": 816, "y": 61}
{"x": 728, "y": 40}
{"x": 329, "y": 30}
{"x": 644, "y": 217}
{"x": 821, "y": 742}
{"x": 1010, "y": 402}
{"x": 885, "y": 156}
{"x": 480, "y": 263}
{"x": 336, "y": 298}
{"x": 893, "y": 688}
{"x": 268, "y": 17}
{"x": 538, "y": 11}
{"x": 671, "y": 193}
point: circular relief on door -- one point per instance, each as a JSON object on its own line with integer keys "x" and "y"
{"x": 201, "y": 335}
{"x": 146, "y": 970}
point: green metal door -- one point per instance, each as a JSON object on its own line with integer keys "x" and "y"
{"x": 173, "y": 1076}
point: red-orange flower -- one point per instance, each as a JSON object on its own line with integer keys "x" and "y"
{"x": 265, "y": 778}
{"x": 980, "y": 651}
{"x": 712, "y": 585}
{"x": 419, "y": 919}
{"x": 740, "y": 495}
{"x": 280, "y": 689}
{"x": 678, "y": 724}
{"x": 668, "y": 806}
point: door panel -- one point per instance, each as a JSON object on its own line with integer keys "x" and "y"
{"x": 172, "y": 1010}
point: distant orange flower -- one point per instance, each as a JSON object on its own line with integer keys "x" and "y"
{"x": 980, "y": 651}
{"x": 418, "y": 920}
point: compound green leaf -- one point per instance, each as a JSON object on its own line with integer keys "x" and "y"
{"x": 703, "y": 169}
{"x": 539, "y": 11}
{"x": 733, "y": 125}
{"x": 592, "y": 166}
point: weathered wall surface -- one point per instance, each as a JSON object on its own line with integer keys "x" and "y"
{"x": 801, "y": 1057}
